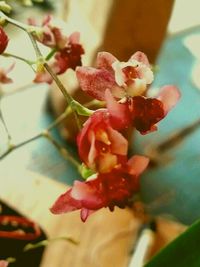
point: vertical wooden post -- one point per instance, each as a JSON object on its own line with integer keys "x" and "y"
{"x": 136, "y": 25}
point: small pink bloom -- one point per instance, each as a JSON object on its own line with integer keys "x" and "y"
{"x": 100, "y": 146}
{"x": 123, "y": 79}
{"x": 105, "y": 190}
{"x": 3, "y": 263}
{"x": 3, "y": 40}
{"x": 48, "y": 34}
{"x": 65, "y": 58}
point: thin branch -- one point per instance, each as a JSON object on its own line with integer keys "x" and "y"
{"x": 59, "y": 119}
{"x": 66, "y": 155}
{"x": 46, "y": 133}
{"x": 40, "y": 59}
{"x": 5, "y": 126}
{"x": 27, "y": 61}
{"x": 18, "y": 24}
{"x": 64, "y": 92}
{"x": 51, "y": 126}
{"x": 13, "y": 147}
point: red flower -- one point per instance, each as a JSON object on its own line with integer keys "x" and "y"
{"x": 105, "y": 190}
{"x": 3, "y": 40}
{"x": 121, "y": 78}
{"x": 100, "y": 146}
{"x": 69, "y": 57}
{"x": 141, "y": 112}
{"x": 65, "y": 58}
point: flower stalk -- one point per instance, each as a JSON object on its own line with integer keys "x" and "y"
{"x": 41, "y": 61}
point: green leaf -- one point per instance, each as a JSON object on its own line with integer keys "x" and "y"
{"x": 184, "y": 251}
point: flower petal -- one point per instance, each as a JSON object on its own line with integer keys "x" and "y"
{"x": 88, "y": 193}
{"x": 140, "y": 57}
{"x": 105, "y": 61}
{"x": 92, "y": 151}
{"x": 74, "y": 38}
{"x": 85, "y": 213}
{"x": 65, "y": 203}
{"x": 119, "y": 144}
{"x": 95, "y": 81}
{"x": 169, "y": 95}
{"x": 119, "y": 113}
{"x": 137, "y": 164}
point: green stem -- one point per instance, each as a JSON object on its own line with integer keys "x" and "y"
{"x": 27, "y": 61}
{"x": 29, "y": 30}
{"x": 51, "y": 54}
{"x": 20, "y": 25}
{"x": 64, "y": 92}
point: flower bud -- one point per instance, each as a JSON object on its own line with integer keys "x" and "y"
{"x": 5, "y": 7}
{"x": 3, "y": 40}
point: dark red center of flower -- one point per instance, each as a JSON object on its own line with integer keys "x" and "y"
{"x": 146, "y": 112}
{"x": 130, "y": 72}
{"x": 72, "y": 55}
{"x": 117, "y": 188}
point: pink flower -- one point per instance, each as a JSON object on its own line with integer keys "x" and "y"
{"x": 69, "y": 57}
{"x": 104, "y": 190}
{"x": 101, "y": 147}
{"x": 3, "y": 263}
{"x": 121, "y": 78}
{"x": 3, "y": 74}
{"x": 48, "y": 34}
{"x": 141, "y": 112}
{"x": 65, "y": 58}
{"x": 3, "y": 40}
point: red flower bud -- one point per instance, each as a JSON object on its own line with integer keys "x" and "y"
{"x": 3, "y": 40}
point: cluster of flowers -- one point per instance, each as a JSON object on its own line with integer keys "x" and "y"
{"x": 103, "y": 149}
{"x": 66, "y": 50}
{"x": 101, "y": 145}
